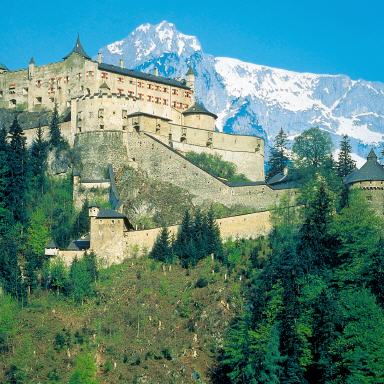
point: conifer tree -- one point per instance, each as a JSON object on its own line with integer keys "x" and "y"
{"x": 4, "y": 168}
{"x": 183, "y": 239}
{"x": 315, "y": 242}
{"x": 345, "y": 163}
{"x": 17, "y": 161}
{"x": 278, "y": 159}
{"x": 55, "y": 138}
{"x": 38, "y": 160}
{"x": 162, "y": 250}
{"x": 81, "y": 280}
{"x": 214, "y": 244}
{"x": 81, "y": 225}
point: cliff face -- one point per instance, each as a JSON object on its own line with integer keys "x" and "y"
{"x": 255, "y": 99}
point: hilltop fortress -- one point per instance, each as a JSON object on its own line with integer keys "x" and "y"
{"x": 120, "y": 117}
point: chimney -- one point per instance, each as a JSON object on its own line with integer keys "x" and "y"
{"x": 99, "y": 57}
{"x": 156, "y": 71}
{"x": 121, "y": 63}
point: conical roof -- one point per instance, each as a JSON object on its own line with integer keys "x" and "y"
{"x": 3, "y": 67}
{"x": 198, "y": 108}
{"x": 370, "y": 171}
{"x": 78, "y": 48}
{"x": 190, "y": 71}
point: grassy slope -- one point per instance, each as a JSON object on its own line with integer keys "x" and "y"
{"x": 145, "y": 325}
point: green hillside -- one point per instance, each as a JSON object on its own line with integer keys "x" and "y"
{"x": 145, "y": 325}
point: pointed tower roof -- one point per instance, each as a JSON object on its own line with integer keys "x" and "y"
{"x": 32, "y": 61}
{"x": 199, "y": 109}
{"x": 3, "y": 67}
{"x": 78, "y": 48}
{"x": 190, "y": 71}
{"x": 104, "y": 85}
{"x": 370, "y": 171}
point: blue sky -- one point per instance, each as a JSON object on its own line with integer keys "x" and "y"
{"x": 324, "y": 36}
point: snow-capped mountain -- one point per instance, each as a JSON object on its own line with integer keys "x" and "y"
{"x": 256, "y": 99}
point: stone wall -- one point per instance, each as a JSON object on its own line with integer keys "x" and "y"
{"x": 374, "y": 193}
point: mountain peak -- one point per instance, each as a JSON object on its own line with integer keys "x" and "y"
{"x": 148, "y": 41}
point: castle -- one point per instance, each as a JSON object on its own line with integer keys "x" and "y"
{"x": 103, "y": 97}
{"x": 122, "y": 117}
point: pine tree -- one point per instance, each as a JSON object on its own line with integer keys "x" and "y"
{"x": 213, "y": 238}
{"x": 55, "y": 138}
{"x": 278, "y": 159}
{"x": 345, "y": 164}
{"x": 199, "y": 235}
{"x": 17, "y": 161}
{"x": 183, "y": 239}
{"x": 90, "y": 260}
{"x": 4, "y": 168}
{"x": 315, "y": 242}
{"x": 38, "y": 160}
{"x": 81, "y": 225}
{"x": 80, "y": 280}
{"x": 162, "y": 250}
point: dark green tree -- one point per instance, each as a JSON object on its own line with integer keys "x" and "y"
{"x": 183, "y": 239}
{"x": 90, "y": 260}
{"x": 162, "y": 249}
{"x": 315, "y": 241}
{"x": 55, "y": 138}
{"x": 80, "y": 280}
{"x": 214, "y": 244}
{"x": 17, "y": 161}
{"x": 278, "y": 159}
{"x": 38, "y": 160}
{"x": 81, "y": 225}
{"x": 312, "y": 148}
{"x": 345, "y": 163}
{"x": 4, "y": 168}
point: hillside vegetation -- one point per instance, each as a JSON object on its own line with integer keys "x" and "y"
{"x": 146, "y": 324}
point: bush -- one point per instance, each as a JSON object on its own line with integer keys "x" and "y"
{"x": 201, "y": 282}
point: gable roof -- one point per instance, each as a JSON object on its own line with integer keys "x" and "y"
{"x": 370, "y": 171}
{"x": 110, "y": 214}
{"x": 78, "y": 48}
{"x": 142, "y": 75}
{"x": 198, "y": 108}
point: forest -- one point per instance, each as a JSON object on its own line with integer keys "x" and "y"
{"x": 307, "y": 299}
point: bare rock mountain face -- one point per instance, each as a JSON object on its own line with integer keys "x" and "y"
{"x": 255, "y": 99}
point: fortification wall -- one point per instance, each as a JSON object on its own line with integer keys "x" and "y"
{"x": 30, "y": 134}
{"x": 99, "y": 149}
{"x": 374, "y": 193}
{"x": 164, "y": 164}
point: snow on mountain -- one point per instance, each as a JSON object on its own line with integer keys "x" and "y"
{"x": 255, "y": 99}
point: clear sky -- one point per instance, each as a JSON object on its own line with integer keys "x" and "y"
{"x": 321, "y": 36}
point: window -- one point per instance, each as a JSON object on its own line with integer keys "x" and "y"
{"x": 187, "y": 94}
{"x": 141, "y": 96}
{"x": 174, "y": 104}
{"x": 124, "y": 114}
{"x": 120, "y": 91}
{"x": 12, "y": 89}
{"x": 175, "y": 91}
{"x": 90, "y": 73}
{"x": 52, "y": 99}
{"x": 139, "y": 84}
{"x": 101, "y": 126}
{"x": 39, "y": 100}
{"x": 150, "y": 86}
{"x": 165, "y": 102}
{"x": 131, "y": 93}
{"x": 12, "y": 103}
{"x": 1, "y": 94}
{"x": 38, "y": 83}
{"x": 157, "y": 100}
{"x": 124, "y": 127}
{"x": 25, "y": 91}
{"x": 104, "y": 75}
{"x": 101, "y": 113}
{"x": 157, "y": 87}
{"x": 67, "y": 79}
{"x": 165, "y": 90}
{"x": 149, "y": 98}
{"x": 131, "y": 82}
{"x": 120, "y": 80}
{"x": 78, "y": 76}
